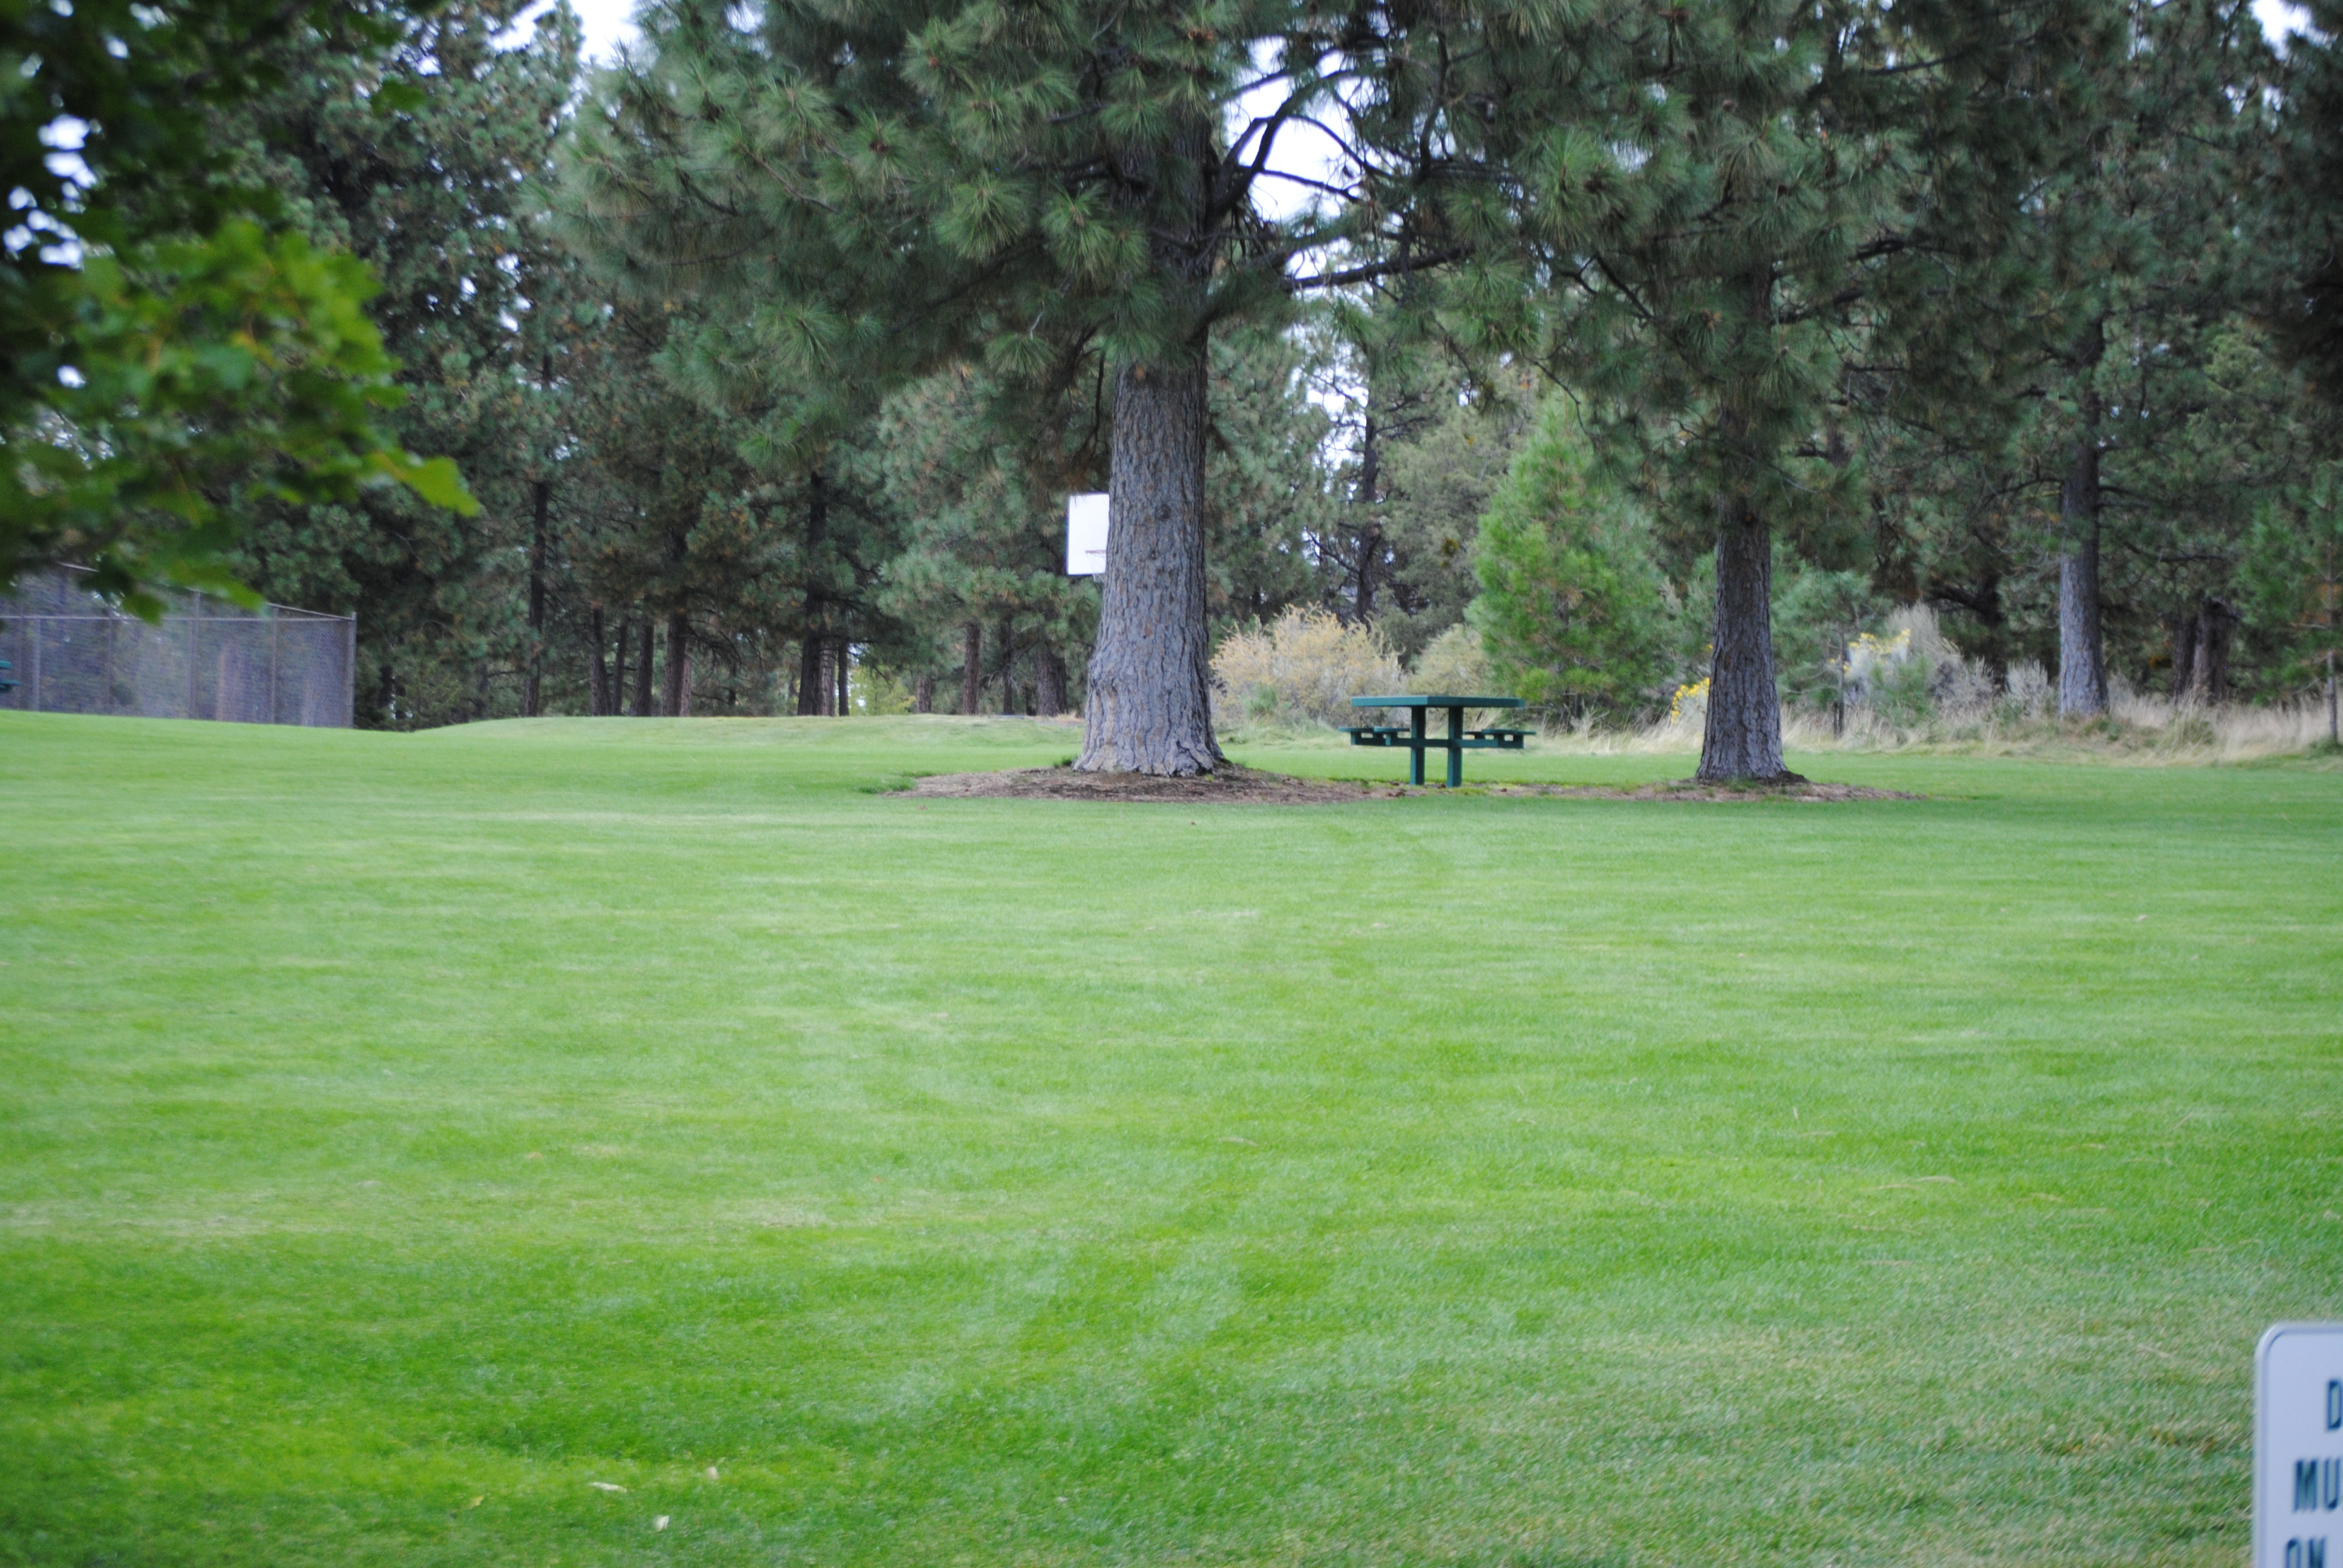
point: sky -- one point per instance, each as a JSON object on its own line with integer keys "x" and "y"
{"x": 606, "y": 24}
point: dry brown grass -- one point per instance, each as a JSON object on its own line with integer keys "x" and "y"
{"x": 2136, "y": 730}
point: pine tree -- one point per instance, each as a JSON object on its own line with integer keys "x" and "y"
{"x": 425, "y": 161}
{"x": 874, "y": 191}
{"x": 976, "y": 476}
{"x": 2305, "y": 213}
{"x": 2293, "y": 579}
{"x": 1573, "y": 608}
{"x": 2139, "y": 228}
{"x": 1778, "y": 201}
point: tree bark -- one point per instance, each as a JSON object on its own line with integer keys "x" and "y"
{"x": 2217, "y": 623}
{"x": 1150, "y": 706}
{"x": 619, "y": 668}
{"x": 1743, "y": 736}
{"x": 971, "y": 661}
{"x": 1371, "y": 538}
{"x": 2082, "y": 653}
{"x": 842, "y": 663}
{"x": 1006, "y": 641}
{"x": 643, "y": 673}
{"x": 1049, "y": 682}
{"x": 810, "y": 647}
{"x": 812, "y": 640}
{"x": 2184, "y": 656}
{"x": 532, "y": 685}
{"x": 598, "y": 682}
{"x": 675, "y": 702}
{"x": 923, "y": 694}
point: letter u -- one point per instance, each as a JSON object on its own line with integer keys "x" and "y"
{"x": 2330, "y": 1483}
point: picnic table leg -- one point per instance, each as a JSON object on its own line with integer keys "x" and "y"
{"x": 1455, "y": 747}
{"x": 1415, "y": 747}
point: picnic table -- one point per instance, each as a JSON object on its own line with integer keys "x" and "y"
{"x": 1456, "y": 742}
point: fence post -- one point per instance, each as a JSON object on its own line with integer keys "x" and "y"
{"x": 194, "y": 643}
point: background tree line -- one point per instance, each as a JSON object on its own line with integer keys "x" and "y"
{"x": 1775, "y": 318}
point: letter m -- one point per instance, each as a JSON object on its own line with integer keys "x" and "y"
{"x": 2306, "y": 1485}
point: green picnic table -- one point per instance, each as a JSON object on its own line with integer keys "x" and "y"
{"x": 1456, "y": 742}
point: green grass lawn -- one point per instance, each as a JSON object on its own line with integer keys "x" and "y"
{"x": 404, "y": 1133}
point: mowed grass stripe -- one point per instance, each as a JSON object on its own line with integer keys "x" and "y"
{"x": 394, "y": 1121}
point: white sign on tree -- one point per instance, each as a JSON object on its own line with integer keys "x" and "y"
{"x": 2298, "y": 1447}
{"x": 1085, "y": 534}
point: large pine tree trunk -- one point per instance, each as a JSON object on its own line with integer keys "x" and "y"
{"x": 971, "y": 666}
{"x": 2082, "y": 653}
{"x": 923, "y": 694}
{"x": 1150, "y": 706}
{"x": 841, "y": 666}
{"x": 676, "y": 700}
{"x": 825, "y": 679}
{"x": 1742, "y": 738}
{"x": 809, "y": 647}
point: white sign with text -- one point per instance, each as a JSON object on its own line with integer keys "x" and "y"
{"x": 1085, "y": 534}
{"x": 2298, "y": 1447}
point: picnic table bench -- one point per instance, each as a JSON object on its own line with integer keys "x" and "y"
{"x": 1456, "y": 742}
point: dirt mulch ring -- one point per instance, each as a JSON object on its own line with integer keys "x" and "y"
{"x": 1230, "y": 784}
{"x": 1694, "y": 790}
{"x": 1245, "y": 786}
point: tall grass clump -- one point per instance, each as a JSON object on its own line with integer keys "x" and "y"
{"x": 1300, "y": 669}
{"x": 1907, "y": 686}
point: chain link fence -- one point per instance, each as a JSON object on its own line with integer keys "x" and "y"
{"x": 209, "y": 657}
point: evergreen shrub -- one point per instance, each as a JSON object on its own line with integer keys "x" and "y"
{"x": 1573, "y": 611}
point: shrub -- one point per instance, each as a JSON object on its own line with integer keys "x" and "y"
{"x": 1454, "y": 662}
{"x": 1303, "y": 668}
